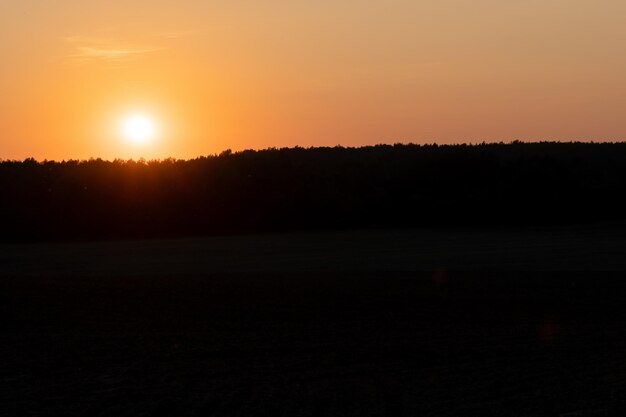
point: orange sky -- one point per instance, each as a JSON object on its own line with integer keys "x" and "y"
{"x": 259, "y": 73}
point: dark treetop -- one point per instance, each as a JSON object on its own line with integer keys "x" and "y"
{"x": 275, "y": 190}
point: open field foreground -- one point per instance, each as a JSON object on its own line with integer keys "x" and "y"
{"x": 577, "y": 248}
{"x": 345, "y": 324}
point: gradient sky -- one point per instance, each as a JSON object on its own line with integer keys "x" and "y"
{"x": 260, "y": 73}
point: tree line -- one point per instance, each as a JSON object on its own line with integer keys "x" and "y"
{"x": 324, "y": 188}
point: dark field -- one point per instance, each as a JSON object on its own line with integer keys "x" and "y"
{"x": 432, "y": 323}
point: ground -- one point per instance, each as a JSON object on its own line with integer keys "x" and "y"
{"x": 367, "y": 323}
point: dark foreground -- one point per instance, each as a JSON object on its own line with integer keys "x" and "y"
{"x": 318, "y": 343}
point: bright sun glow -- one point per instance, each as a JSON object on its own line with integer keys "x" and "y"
{"x": 139, "y": 128}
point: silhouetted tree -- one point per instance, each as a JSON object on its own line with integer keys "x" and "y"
{"x": 315, "y": 188}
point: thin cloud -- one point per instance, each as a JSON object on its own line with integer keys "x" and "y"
{"x": 110, "y": 54}
{"x": 104, "y": 49}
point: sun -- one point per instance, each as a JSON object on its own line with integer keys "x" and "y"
{"x": 139, "y": 128}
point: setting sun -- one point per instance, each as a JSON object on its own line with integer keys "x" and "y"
{"x": 139, "y": 128}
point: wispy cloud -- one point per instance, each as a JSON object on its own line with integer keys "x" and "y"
{"x": 105, "y": 49}
{"x": 110, "y": 54}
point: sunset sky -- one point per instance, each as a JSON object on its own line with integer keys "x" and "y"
{"x": 211, "y": 75}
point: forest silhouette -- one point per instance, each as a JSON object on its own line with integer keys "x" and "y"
{"x": 331, "y": 188}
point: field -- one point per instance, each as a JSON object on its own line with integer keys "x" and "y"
{"x": 526, "y": 322}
